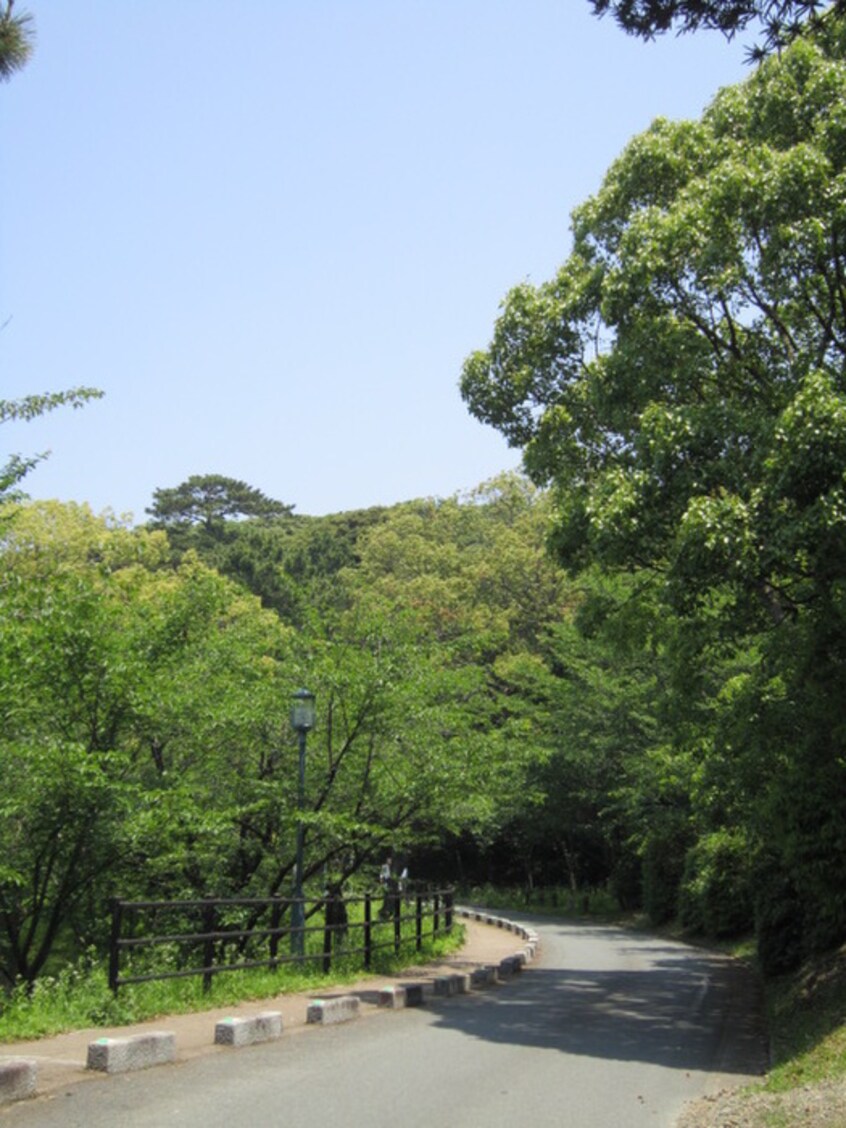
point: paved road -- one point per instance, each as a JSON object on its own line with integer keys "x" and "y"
{"x": 607, "y": 1029}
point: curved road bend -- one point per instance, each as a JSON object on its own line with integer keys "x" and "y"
{"x": 607, "y": 1029}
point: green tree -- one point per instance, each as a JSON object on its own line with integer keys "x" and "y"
{"x": 781, "y": 20}
{"x": 208, "y": 501}
{"x": 680, "y": 385}
{"x": 470, "y": 579}
{"x": 144, "y": 739}
{"x": 140, "y": 727}
{"x": 17, "y": 466}
{"x": 680, "y": 381}
{"x": 16, "y": 40}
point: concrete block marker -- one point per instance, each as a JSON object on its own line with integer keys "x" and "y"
{"x": 394, "y": 998}
{"x": 483, "y": 976}
{"x": 248, "y": 1031}
{"x": 140, "y": 1051}
{"x": 416, "y": 994}
{"x": 509, "y": 966}
{"x": 17, "y": 1078}
{"x": 453, "y": 984}
{"x": 445, "y": 985}
{"x": 343, "y": 1008}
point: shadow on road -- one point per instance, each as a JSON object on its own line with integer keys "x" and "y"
{"x": 687, "y": 1011}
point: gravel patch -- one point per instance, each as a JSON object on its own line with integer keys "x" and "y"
{"x": 811, "y": 1106}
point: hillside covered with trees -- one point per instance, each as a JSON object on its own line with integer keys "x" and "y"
{"x": 626, "y": 669}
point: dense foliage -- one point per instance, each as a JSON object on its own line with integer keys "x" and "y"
{"x": 780, "y": 20}
{"x": 16, "y": 38}
{"x": 655, "y": 706}
{"x": 681, "y": 386}
{"x": 144, "y": 739}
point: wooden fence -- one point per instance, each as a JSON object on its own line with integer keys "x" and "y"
{"x": 152, "y": 940}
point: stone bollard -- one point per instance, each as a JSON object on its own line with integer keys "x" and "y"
{"x": 394, "y": 998}
{"x": 17, "y": 1078}
{"x": 329, "y": 1011}
{"x": 139, "y": 1051}
{"x": 248, "y": 1031}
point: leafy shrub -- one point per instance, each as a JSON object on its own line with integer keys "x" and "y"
{"x": 779, "y": 920}
{"x": 715, "y": 896}
{"x": 663, "y": 862}
{"x": 626, "y": 882}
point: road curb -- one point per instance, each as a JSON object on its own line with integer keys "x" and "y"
{"x": 328, "y": 1012}
{"x": 21, "y": 1076}
{"x": 264, "y": 1027}
{"x": 139, "y": 1051}
{"x": 17, "y": 1079}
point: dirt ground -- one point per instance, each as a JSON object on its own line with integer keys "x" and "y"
{"x": 812, "y": 1106}
{"x": 61, "y": 1060}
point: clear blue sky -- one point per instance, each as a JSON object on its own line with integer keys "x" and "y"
{"x": 271, "y": 230}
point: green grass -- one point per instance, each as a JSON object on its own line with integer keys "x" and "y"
{"x": 547, "y": 901}
{"x": 807, "y": 1018}
{"x": 78, "y": 997}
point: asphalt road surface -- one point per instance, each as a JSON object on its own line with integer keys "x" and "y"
{"x": 606, "y": 1029}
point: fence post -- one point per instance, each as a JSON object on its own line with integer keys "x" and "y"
{"x": 368, "y": 946}
{"x": 436, "y": 916}
{"x": 209, "y": 917}
{"x": 397, "y": 924}
{"x": 114, "y": 945}
{"x": 418, "y": 921}
{"x": 448, "y": 901}
{"x": 327, "y": 939}
{"x": 275, "y": 916}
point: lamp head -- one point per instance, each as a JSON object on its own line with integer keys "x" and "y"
{"x": 303, "y": 712}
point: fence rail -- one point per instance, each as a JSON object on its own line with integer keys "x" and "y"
{"x": 219, "y": 934}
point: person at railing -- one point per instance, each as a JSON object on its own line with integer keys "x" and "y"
{"x": 391, "y": 886}
{"x": 336, "y": 912}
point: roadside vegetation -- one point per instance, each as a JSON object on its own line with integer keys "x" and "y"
{"x": 623, "y": 670}
{"x": 78, "y": 996}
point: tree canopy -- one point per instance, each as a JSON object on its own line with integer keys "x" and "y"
{"x": 16, "y": 40}
{"x": 680, "y": 382}
{"x": 210, "y": 499}
{"x": 681, "y": 386}
{"x": 17, "y": 466}
{"x": 781, "y": 20}
{"x": 144, "y": 742}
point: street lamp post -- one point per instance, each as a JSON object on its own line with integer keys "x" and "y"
{"x": 302, "y": 719}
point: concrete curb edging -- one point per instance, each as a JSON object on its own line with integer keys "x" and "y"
{"x": 17, "y": 1078}
{"x": 264, "y": 1027}
{"x": 327, "y": 1012}
{"x": 484, "y": 976}
{"x": 510, "y": 965}
{"x": 19, "y": 1074}
{"x": 394, "y": 998}
{"x": 139, "y": 1051}
{"x": 458, "y": 984}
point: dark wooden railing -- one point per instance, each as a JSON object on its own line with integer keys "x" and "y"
{"x": 219, "y": 934}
